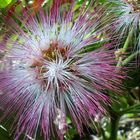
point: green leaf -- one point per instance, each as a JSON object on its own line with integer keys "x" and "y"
{"x": 132, "y": 109}
{"x": 4, "y": 135}
{"x": 4, "y": 3}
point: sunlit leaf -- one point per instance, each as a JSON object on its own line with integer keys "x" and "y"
{"x": 4, "y": 3}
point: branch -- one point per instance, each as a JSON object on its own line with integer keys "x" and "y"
{"x": 130, "y": 58}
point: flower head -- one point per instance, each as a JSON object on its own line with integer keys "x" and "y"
{"x": 51, "y": 75}
{"x": 128, "y": 21}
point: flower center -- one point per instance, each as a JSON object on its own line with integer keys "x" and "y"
{"x": 51, "y": 64}
{"x": 55, "y": 50}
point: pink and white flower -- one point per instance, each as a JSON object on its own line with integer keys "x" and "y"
{"x": 50, "y": 75}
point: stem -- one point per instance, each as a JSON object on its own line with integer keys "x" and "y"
{"x": 103, "y": 134}
{"x": 119, "y": 62}
{"x": 114, "y": 127}
{"x": 126, "y": 45}
{"x": 131, "y": 57}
